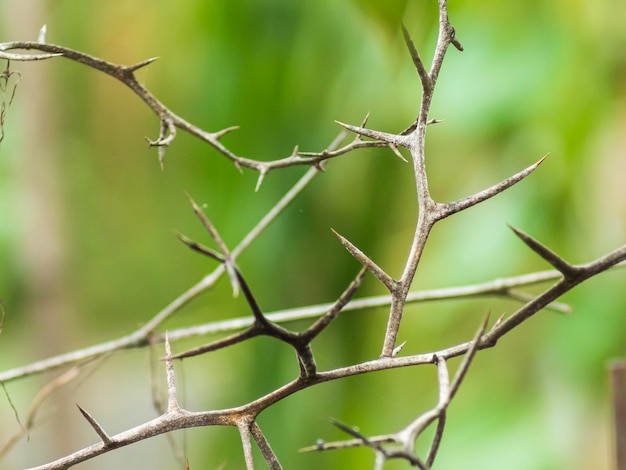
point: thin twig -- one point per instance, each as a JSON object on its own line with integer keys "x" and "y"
{"x": 498, "y": 287}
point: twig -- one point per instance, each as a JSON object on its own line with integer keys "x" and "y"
{"x": 168, "y": 119}
{"x": 498, "y": 287}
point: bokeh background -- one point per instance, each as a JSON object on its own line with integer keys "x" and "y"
{"x": 87, "y": 250}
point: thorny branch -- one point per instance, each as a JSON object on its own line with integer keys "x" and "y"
{"x": 169, "y": 121}
{"x": 398, "y": 445}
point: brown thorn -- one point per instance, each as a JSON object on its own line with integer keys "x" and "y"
{"x": 455, "y": 42}
{"x": 143, "y": 63}
{"x": 469, "y": 201}
{"x": 417, "y": 61}
{"x": 550, "y": 256}
{"x": 376, "y": 270}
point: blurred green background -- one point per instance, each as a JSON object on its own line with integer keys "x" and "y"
{"x": 87, "y": 250}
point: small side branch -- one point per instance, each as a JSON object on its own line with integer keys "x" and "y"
{"x": 337, "y": 307}
{"x": 264, "y": 446}
{"x": 244, "y": 432}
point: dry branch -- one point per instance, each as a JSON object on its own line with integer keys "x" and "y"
{"x": 398, "y": 445}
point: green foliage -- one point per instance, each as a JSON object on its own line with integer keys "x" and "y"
{"x": 535, "y": 77}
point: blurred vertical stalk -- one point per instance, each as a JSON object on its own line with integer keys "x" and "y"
{"x": 617, "y": 371}
{"x": 39, "y": 245}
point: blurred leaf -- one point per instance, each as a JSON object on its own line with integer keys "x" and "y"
{"x": 386, "y": 14}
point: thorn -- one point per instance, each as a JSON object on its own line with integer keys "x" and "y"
{"x": 397, "y": 152}
{"x": 397, "y": 349}
{"x": 455, "y": 42}
{"x": 365, "y": 119}
{"x": 295, "y": 153}
{"x": 434, "y": 121}
{"x": 200, "y": 248}
{"x": 477, "y": 198}
{"x": 367, "y": 262}
{"x": 498, "y": 321}
{"x": 42, "y": 34}
{"x": 319, "y": 165}
{"x": 550, "y": 256}
{"x": 417, "y": 61}
{"x": 143, "y": 63}
{"x": 106, "y": 440}
{"x": 223, "y": 255}
{"x": 219, "y": 134}
{"x": 161, "y": 153}
{"x": 395, "y": 139}
{"x": 262, "y": 173}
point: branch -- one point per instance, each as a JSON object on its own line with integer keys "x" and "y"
{"x": 499, "y": 287}
{"x": 169, "y": 121}
{"x": 182, "y": 419}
